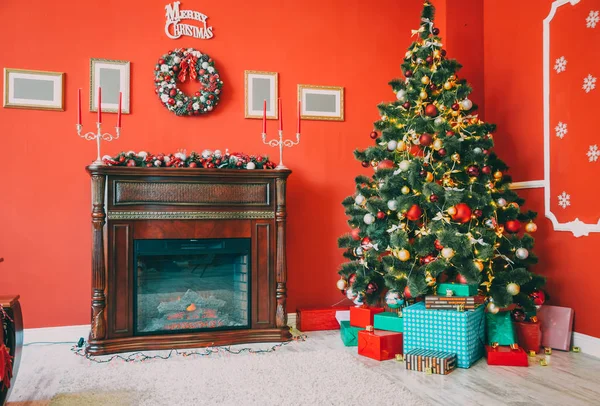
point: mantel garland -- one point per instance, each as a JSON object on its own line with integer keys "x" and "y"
{"x": 179, "y": 65}
{"x": 206, "y": 159}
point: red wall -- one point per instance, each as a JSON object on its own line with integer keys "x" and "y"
{"x": 45, "y": 202}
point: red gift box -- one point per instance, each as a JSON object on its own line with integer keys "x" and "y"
{"x": 318, "y": 319}
{"x": 504, "y": 355}
{"x": 363, "y": 316}
{"x": 379, "y": 344}
{"x": 557, "y": 326}
{"x": 529, "y": 335}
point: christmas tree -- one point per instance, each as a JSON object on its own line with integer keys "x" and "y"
{"x": 438, "y": 206}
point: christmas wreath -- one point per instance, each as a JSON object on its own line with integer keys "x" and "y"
{"x": 207, "y": 159}
{"x": 179, "y": 65}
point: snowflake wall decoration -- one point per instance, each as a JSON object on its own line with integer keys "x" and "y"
{"x": 564, "y": 200}
{"x": 561, "y": 130}
{"x": 560, "y": 65}
{"x": 592, "y": 19}
{"x": 593, "y": 153}
{"x": 589, "y": 83}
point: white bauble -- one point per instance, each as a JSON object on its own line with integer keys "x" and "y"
{"x": 477, "y": 150}
{"x": 204, "y": 65}
{"x": 206, "y": 153}
{"x": 359, "y": 200}
{"x": 419, "y": 60}
{"x": 391, "y": 145}
{"x": 392, "y": 205}
{"x": 522, "y": 253}
{"x": 167, "y": 159}
{"x": 359, "y": 251}
{"x": 157, "y": 163}
{"x": 218, "y": 153}
{"x": 466, "y": 104}
{"x": 202, "y": 99}
{"x": 447, "y": 252}
{"x": 393, "y": 299}
{"x": 513, "y": 288}
{"x": 341, "y": 284}
{"x": 250, "y": 165}
{"x": 211, "y": 69}
{"x": 142, "y": 154}
{"x": 176, "y": 59}
{"x": 209, "y": 108}
{"x": 404, "y": 165}
{"x": 369, "y": 218}
{"x": 438, "y": 121}
{"x": 401, "y": 94}
{"x": 492, "y": 308}
{"x": 502, "y": 202}
{"x": 350, "y": 294}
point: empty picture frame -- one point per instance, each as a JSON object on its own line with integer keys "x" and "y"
{"x": 34, "y": 89}
{"x": 321, "y": 102}
{"x": 112, "y": 77}
{"x": 260, "y": 86}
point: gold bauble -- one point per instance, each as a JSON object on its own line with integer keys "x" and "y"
{"x": 429, "y": 177}
{"x": 374, "y": 163}
{"x": 455, "y": 113}
{"x": 448, "y": 85}
{"x": 405, "y": 190}
{"x": 531, "y": 227}
{"x": 403, "y": 255}
{"x": 437, "y": 53}
{"x": 514, "y": 204}
{"x": 456, "y": 157}
{"x": 447, "y": 252}
{"x": 513, "y": 289}
{"x": 342, "y": 284}
{"x": 453, "y": 77}
{"x": 437, "y": 144}
{"x": 478, "y": 265}
{"x": 451, "y": 210}
{"x": 401, "y": 146}
{"x": 423, "y": 95}
{"x": 497, "y": 175}
{"x": 425, "y": 80}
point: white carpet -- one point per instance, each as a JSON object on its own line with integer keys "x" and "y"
{"x": 294, "y": 374}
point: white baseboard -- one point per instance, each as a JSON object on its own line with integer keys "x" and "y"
{"x": 588, "y": 344}
{"x": 528, "y": 184}
{"x": 292, "y": 319}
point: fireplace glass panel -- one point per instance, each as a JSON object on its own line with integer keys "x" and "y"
{"x": 191, "y": 285}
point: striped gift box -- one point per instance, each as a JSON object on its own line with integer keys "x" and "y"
{"x": 434, "y": 362}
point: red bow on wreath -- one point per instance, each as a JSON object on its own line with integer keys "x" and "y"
{"x": 188, "y": 66}
{"x": 5, "y": 366}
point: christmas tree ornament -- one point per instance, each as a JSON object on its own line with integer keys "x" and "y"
{"x": 408, "y": 73}
{"x": 514, "y": 204}
{"x": 442, "y": 152}
{"x": 392, "y": 205}
{"x": 518, "y": 315}
{"x": 427, "y": 259}
{"x": 401, "y": 94}
{"x": 522, "y": 253}
{"x": 438, "y": 121}
{"x": 425, "y": 140}
{"x": 451, "y": 211}
{"x": 466, "y": 104}
{"x": 359, "y": 251}
{"x": 407, "y": 293}
{"x": 448, "y": 85}
{"x": 513, "y": 289}
{"x": 433, "y": 88}
{"x": 492, "y": 308}
{"x": 355, "y": 234}
{"x": 401, "y": 146}
{"x": 365, "y": 241}
{"x": 447, "y": 252}
{"x": 403, "y": 255}
{"x": 374, "y": 164}
{"x": 408, "y": 54}
{"x": 359, "y": 200}
{"x": 341, "y": 284}
{"x": 380, "y": 215}
{"x": 392, "y": 145}
{"x": 460, "y": 278}
{"x": 373, "y": 135}
{"x": 497, "y": 175}
{"x": 456, "y": 157}
{"x": 431, "y": 110}
{"x": 425, "y": 80}
{"x": 406, "y": 105}
{"x": 463, "y": 213}
{"x": 393, "y": 299}
{"x": 404, "y": 165}
{"x": 486, "y": 170}
{"x": 443, "y": 51}
{"x": 405, "y": 190}
{"x": 369, "y": 218}
{"x": 435, "y": 31}
{"x": 372, "y": 288}
{"x": 352, "y": 279}
{"x": 449, "y": 133}
{"x": 512, "y": 226}
{"x": 473, "y": 170}
{"x": 423, "y": 95}
{"x": 477, "y": 213}
{"x": 437, "y": 144}
{"x": 477, "y": 150}
{"x": 478, "y": 264}
{"x": 365, "y": 164}
{"x": 455, "y": 106}
{"x": 433, "y": 198}
{"x": 429, "y": 59}
{"x": 430, "y": 280}
{"x": 429, "y": 177}
{"x": 422, "y": 173}
{"x": 385, "y": 164}
{"x": 538, "y": 297}
{"x": 438, "y": 245}
{"x": 359, "y": 300}
{"x": 419, "y": 61}
{"x": 414, "y": 213}
{"x": 531, "y": 227}
{"x": 501, "y": 202}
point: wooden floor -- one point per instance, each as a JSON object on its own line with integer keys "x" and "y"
{"x": 570, "y": 379}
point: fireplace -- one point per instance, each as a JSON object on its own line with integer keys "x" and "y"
{"x": 186, "y": 258}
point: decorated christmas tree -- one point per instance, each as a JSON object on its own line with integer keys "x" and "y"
{"x": 438, "y": 207}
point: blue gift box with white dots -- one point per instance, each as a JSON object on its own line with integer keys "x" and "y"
{"x": 461, "y": 333}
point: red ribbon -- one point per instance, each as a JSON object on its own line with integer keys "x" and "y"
{"x": 5, "y": 366}
{"x": 188, "y": 66}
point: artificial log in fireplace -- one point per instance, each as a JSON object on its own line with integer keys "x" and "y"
{"x": 187, "y": 257}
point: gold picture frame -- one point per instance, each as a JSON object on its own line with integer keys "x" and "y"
{"x": 113, "y": 76}
{"x": 321, "y": 102}
{"x": 260, "y": 86}
{"x": 34, "y": 89}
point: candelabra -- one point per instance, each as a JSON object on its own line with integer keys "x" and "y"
{"x": 281, "y": 143}
{"x": 98, "y": 136}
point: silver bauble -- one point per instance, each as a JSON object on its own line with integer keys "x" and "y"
{"x": 522, "y": 253}
{"x": 392, "y": 205}
{"x": 369, "y": 218}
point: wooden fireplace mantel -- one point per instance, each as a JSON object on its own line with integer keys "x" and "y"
{"x": 151, "y": 203}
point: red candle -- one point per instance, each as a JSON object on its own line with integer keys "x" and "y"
{"x": 119, "y": 113}
{"x": 265, "y": 117}
{"x": 299, "y": 113}
{"x": 99, "y": 104}
{"x": 280, "y": 116}
{"x": 79, "y": 107}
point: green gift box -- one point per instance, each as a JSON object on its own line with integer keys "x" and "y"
{"x": 349, "y": 333}
{"x": 389, "y": 321}
{"x": 457, "y": 289}
{"x": 499, "y": 328}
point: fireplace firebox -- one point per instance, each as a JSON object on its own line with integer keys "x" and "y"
{"x": 186, "y": 258}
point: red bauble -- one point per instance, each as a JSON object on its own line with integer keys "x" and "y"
{"x": 512, "y": 226}
{"x": 122, "y": 158}
{"x": 365, "y": 164}
{"x": 371, "y": 287}
{"x": 352, "y": 279}
{"x": 385, "y": 164}
{"x": 408, "y": 73}
{"x": 443, "y": 52}
{"x": 433, "y": 198}
{"x": 414, "y": 213}
{"x": 486, "y": 170}
{"x": 406, "y": 105}
{"x": 173, "y": 92}
{"x": 380, "y": 215}
{"x": 429, "y": 59}
{"x": 171, "y": 101}
{"x": 538, "y": 297}
{"x": 373, "y": 135}
{"x": 463, "y": 213}
{"x": 425, "y": 140}
{"x": 442, "y": 152}
{"x": 438, "y": 246}
{"x": 427, "y": 259}
{"x": 478, "y": 212}
{"x": 449, "y": 133}
{"x": 456, "y": 107}
{"x": 161, "y": 61}
{"x": 435, "y": 31}
{"x": 473, "y": 170}
{"x": 431, "y": 110}
{"x": 461, "y": 279}
{"x": 355, "y": 234}
{"x": 175, "y": 68}
{"x": 365, "y": 241}
{"x": 407, "y": 294}
{"x": 131, "y": 162}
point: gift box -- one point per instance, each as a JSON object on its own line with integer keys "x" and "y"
{"x": 363, "y": 316}
{"x": 529, "y": 335}
{"x": 499, "y": 328}
{"x": 457, "y": 289}
{"x": 556, "y": 324}
{"x": 452, "y": 302}
{"x": 504, "y": 355}
{"x": 458, "y": 332}
{"x": 342, "y": 315}
{"x": 317, "y": 319}
{"x": 349, "y": 334}
{"x": 378, "y": 344}
{"x": 435, "y": 362}
{"x": 389, "y": 321}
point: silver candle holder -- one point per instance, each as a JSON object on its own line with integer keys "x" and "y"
{"x": 98, "y": 136}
